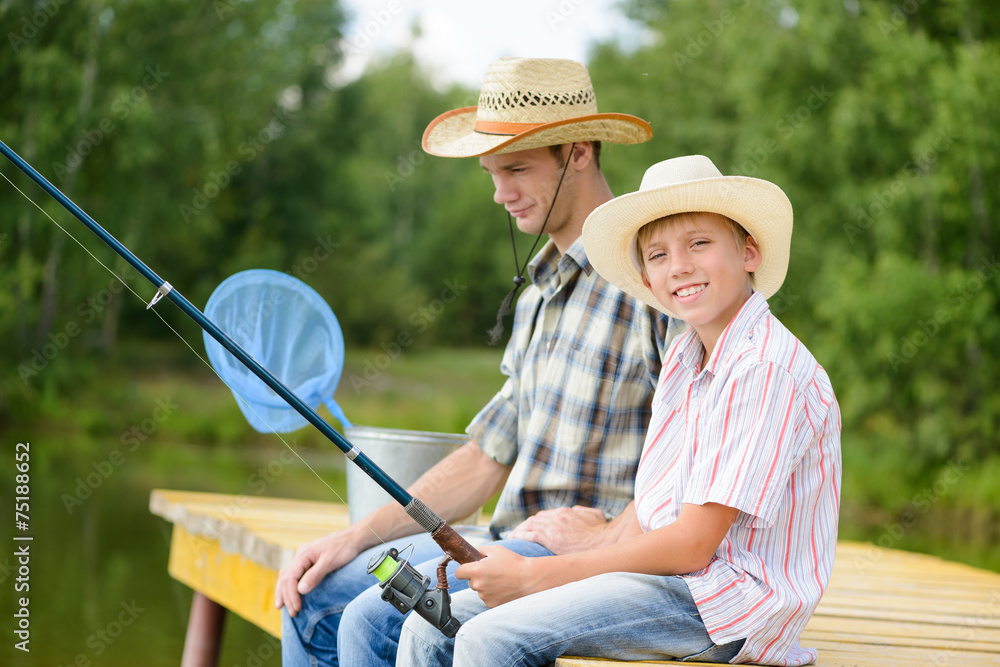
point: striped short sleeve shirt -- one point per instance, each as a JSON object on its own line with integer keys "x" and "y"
{"x": 758, "y": 430}
{"x": 581, "y": 366}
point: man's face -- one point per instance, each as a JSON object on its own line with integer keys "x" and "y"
{"x": 525, "y": 184}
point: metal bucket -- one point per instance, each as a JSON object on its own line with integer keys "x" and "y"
{"x": 403, "y": 455}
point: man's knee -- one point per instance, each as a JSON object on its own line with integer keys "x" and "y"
{"x": 292, "y": 626}
{"x": 369, "y": 612}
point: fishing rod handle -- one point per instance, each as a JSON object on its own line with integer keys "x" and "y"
{"x": 446, "y": 537}
{"x": 455, "y": 545}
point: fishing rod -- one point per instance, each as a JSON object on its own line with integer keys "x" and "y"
{"x": 402, "y": 585}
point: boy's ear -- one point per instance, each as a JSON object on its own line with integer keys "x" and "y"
{"x": 645, "y": 280}
{"x": 752, "y": 256}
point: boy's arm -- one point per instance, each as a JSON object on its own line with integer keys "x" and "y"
{"x": 686, "y": 545}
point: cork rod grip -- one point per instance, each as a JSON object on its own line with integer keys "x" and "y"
{"x": 455, "y": 545}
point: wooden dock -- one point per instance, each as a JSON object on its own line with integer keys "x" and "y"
{"x": 883, "y": 607}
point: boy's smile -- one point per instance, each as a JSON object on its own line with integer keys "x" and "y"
{"x": 694, "y": 268}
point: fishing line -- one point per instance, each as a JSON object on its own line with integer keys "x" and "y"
{"x": 452, "y": 543}
{"x": 183, "y": 340}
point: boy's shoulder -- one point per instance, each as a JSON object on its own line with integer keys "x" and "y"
{"x": 768, "y": 342}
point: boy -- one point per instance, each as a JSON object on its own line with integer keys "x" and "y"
{"x": 731, "y": 538}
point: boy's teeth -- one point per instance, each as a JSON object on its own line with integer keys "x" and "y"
{"x": 688, "y": 291}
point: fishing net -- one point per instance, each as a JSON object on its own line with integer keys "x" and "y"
{"x": 290, "y": 330}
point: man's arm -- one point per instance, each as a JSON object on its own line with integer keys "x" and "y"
{"x": 572, "y": 529}
{"x": 454, "y": 488}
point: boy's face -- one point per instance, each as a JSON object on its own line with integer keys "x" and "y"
{"x": 695, "y": 269}
{"x": 525, "y": 183}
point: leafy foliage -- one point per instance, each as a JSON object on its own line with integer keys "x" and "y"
{"x": 880, "y": 122}
{"x": 212, "y": 137}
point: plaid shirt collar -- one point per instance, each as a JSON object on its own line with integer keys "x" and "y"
{"x": 548, "y": 269}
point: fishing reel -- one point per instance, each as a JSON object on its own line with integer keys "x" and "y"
{"x": 405, "y": 589}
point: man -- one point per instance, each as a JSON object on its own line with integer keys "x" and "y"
{"x": 567, "y": 427}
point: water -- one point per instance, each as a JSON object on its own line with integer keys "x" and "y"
{"x": 96, "y": 582}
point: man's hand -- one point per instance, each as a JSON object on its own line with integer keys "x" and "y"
{"x": 312, "y": 562}
{"x": 566, "y": 530}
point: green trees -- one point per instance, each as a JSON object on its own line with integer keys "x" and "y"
{"x": 213, "y": 137}
{"x": 880, "y": 122}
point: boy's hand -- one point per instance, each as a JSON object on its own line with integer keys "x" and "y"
{"x": 502, "y": 576}
{"x": 565, "y": 530}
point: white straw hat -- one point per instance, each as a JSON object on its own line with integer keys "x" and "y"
{"x": 529, "y": 103}
{"x": 683, "y": 185}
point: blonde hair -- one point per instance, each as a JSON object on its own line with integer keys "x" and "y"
{"x": 740, "y": 235}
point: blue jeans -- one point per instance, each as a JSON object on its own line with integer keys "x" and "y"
{"x": 618, "y": 615}
{"x": 344, "y": 621}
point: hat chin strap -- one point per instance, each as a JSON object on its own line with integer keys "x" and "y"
{"x": 519, "y": 280}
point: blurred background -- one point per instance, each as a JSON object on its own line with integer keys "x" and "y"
{"x": 215, "y": 136}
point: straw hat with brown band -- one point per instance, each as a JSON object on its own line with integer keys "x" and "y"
{"x": 529, "y": 103}
{"x": 683, "y": 185}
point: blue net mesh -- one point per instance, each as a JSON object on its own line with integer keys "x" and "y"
{"x": 291, "y": 331}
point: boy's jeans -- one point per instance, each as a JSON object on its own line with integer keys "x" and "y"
{"x": 617, "y": 615}
{"x": 344, "y": 621}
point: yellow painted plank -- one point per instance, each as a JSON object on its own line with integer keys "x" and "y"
{"x": 871, "y": 654}
{"x": 954, "y": 608}
{"x": 809, "y": 637}
{"x": 913, "y": 587}
{"x": 235, "y": 582}
{"x": 240, "y": 523}
{"x": 832, "y": 657}
{"x": 902, "y": 615}
{"x": 881, "y": 628}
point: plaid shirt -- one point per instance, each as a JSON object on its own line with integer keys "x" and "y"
{"x": 582, "y": 363}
